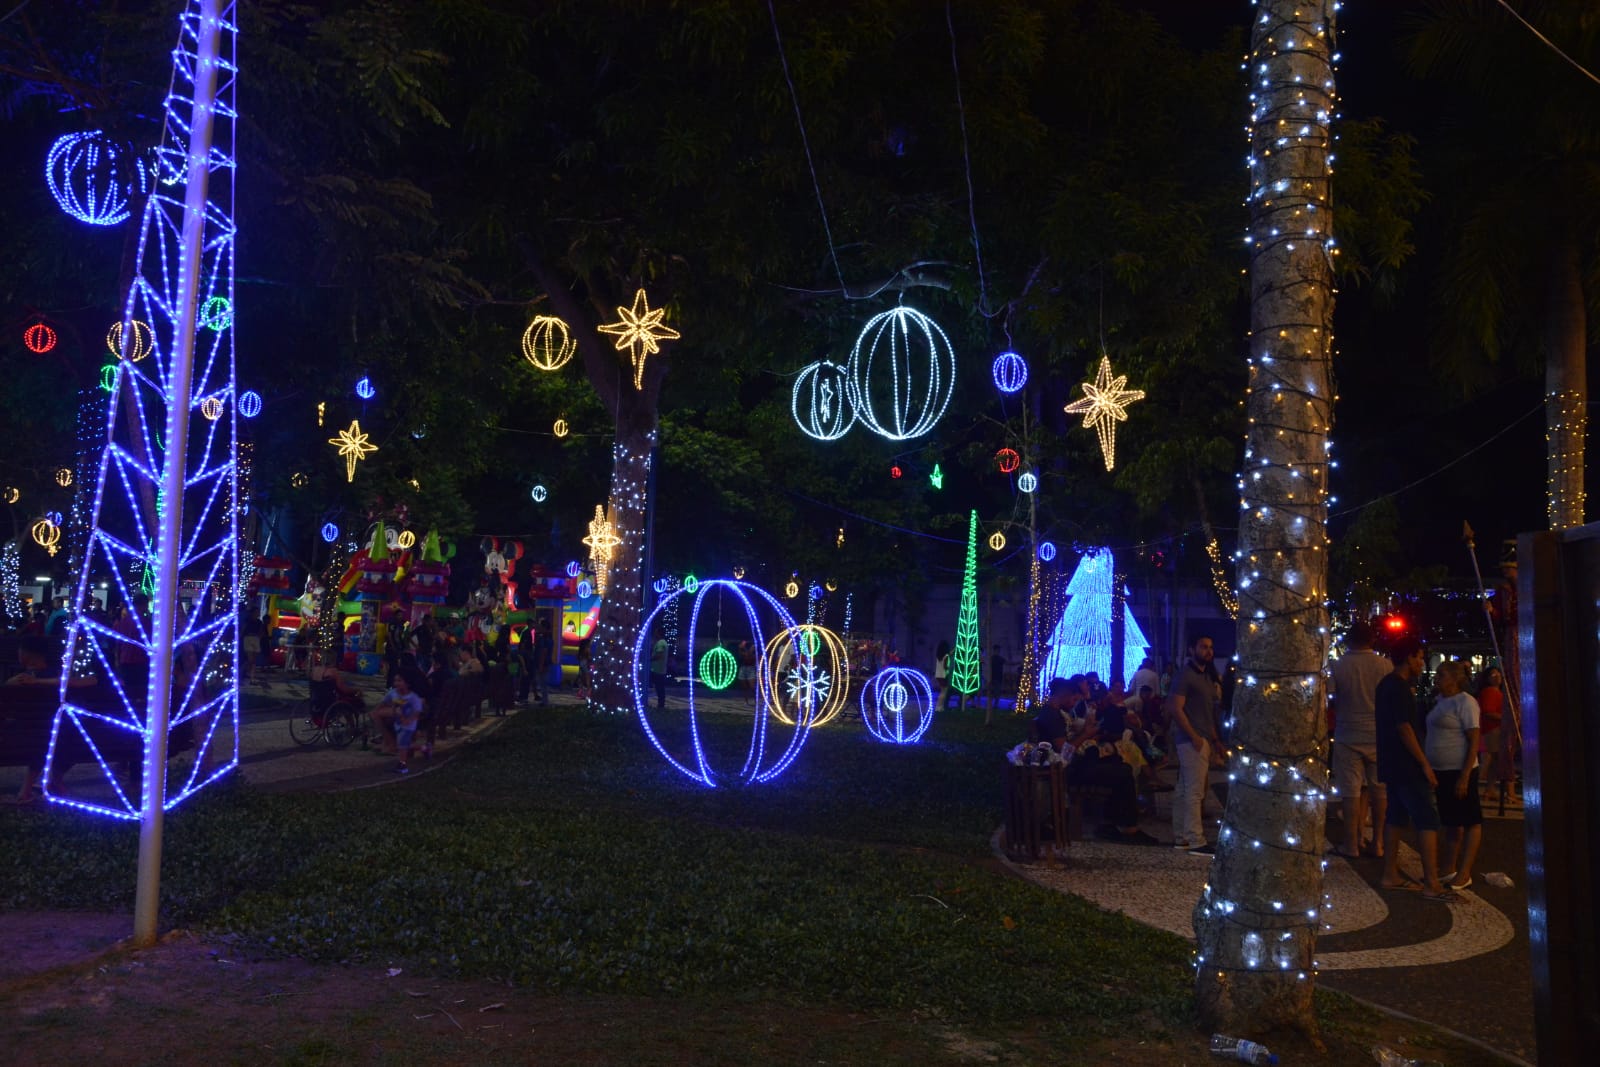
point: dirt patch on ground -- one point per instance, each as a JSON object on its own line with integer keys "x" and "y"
{"x": 69, "y": 994}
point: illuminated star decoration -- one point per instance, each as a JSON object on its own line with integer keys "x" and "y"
{"x": 639, "y": 330}
{"x": 1104, "y": 404}
{"x": 602, "y": 540}
{"x": 353, "y": 445}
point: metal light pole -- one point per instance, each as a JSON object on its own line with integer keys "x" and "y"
{"x": 164, "y": 605}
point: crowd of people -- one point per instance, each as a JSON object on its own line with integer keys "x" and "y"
{"x": 1396, "y": 762}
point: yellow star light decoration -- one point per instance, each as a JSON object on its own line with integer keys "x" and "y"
{"x": 353, "y": 446}
{"x": 639, "y": 330}
{"x": 602, "y": 541}
{"x": 1104, "y": 404}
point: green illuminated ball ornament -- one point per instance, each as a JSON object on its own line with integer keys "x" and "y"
{"x": 718, "y": 668}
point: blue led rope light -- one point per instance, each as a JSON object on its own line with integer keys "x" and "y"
{"x": 759, "y": 765}
{"x": 1010, "y": 372}
{"x": 176, "y": 270}
{"x": 91, "y": 179}
{"x": 897, "y": 392}
{"x": 891, "y": 698}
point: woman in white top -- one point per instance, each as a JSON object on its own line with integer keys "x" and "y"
{"x": 1452, "y": 751}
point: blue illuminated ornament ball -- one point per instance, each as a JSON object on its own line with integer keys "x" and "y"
{"x": 249, "y": 404}
{"x": 1010, "y": 372}
{"x": 585, "y": 590}
{"x": 574, "y": 569}
{"x": 90, "y": 179}
{"x": 330, "y": 532}
{"x": 1047, "y": 551}
{"x": 365, "y": 389}
{"x": 897, "y": 705}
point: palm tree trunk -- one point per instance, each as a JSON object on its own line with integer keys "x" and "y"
{"x": 1256, "y": 922}
{"x": 1566, "y": 398}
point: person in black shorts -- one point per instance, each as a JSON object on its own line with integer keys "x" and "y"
{"x": 1404, "y": 768}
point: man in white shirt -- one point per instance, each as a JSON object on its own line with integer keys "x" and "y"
{"x": 1352, "y": 684}
{"x": 1146, "y": 675}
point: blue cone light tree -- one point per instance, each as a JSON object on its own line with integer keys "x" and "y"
{"x": 1081, "y": 641}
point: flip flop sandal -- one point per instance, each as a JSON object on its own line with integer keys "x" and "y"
{"x": 1408, "y": 885}
{"x": 1449, "y": 896}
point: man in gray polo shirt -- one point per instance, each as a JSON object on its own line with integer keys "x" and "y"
{"x": 1352, "y": 683}
{"x": 1196, "y": 692}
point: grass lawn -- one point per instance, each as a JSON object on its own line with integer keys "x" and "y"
{"x": 564, "y": 857}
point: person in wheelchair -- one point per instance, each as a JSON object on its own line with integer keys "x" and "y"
{"x": 328, "y": 687}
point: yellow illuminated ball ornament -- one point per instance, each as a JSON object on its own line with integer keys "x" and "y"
{"x": 807, "y": 674}
{"x": 640, "y": 331}
{"x": 11, "y": 494}
{"x": 560, "y": 429}
{"x": 406, "y": 539}
{"x": 211, "y": 408}
{"x": 1104, "y": 404}
{"x": 140, "y": 342}
{"x": 64, "y": 476}
{"x": 547, "y": 343}
{"x": 298, "y": 480}
{"x": 718, "y": 668}
{"x": 47, "y": 535}
{"x": 997, "y": 540}
{"x": 792, "y": 590}
{"x": 353, "y": 446}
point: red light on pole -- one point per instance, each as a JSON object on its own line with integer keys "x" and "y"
{"x": 1394, "y": 624}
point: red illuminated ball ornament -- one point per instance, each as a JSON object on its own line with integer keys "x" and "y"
{"x": 1008, "y": 460}
{"x": 895, "y": 471}
{"x": 39, "y": 338}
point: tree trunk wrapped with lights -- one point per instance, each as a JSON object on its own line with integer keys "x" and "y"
{"x": 1257, "y": 919}
{"x": 629, "y": 385}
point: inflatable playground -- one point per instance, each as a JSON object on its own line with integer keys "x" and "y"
{"x": 396, "y": 580}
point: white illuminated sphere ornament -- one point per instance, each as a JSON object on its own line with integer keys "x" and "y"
{"x": 902, "y": 374}
{"x": 820, "y": 401}
{"x": 1028, "y": 481}
{"x": 539, "y": 494}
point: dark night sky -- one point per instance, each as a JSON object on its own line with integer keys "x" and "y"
{"x": 1395, "y": 423}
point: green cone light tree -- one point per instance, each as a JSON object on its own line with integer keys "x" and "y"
{"x": 965, "y": 673}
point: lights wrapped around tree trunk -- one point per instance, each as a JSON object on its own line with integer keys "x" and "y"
{"x": 1257, "y": 920}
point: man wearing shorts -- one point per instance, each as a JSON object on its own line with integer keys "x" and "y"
{"x": 1403, "y": 766}
{"x": 1352, "y": 686}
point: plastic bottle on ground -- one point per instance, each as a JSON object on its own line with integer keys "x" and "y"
{"x": 1240, "y": 1050}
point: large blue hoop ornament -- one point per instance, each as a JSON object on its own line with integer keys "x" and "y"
{"x": 820, "y": 401}
{"x": 1010, "y": 372}
{"x": 91, "y": 178}
{"x": 760, "y": 764}
{"x": 897, "y": 705}
{"x": 902, "y": 374}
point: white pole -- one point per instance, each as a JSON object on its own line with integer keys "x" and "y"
{"x": 169, "y": 544}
